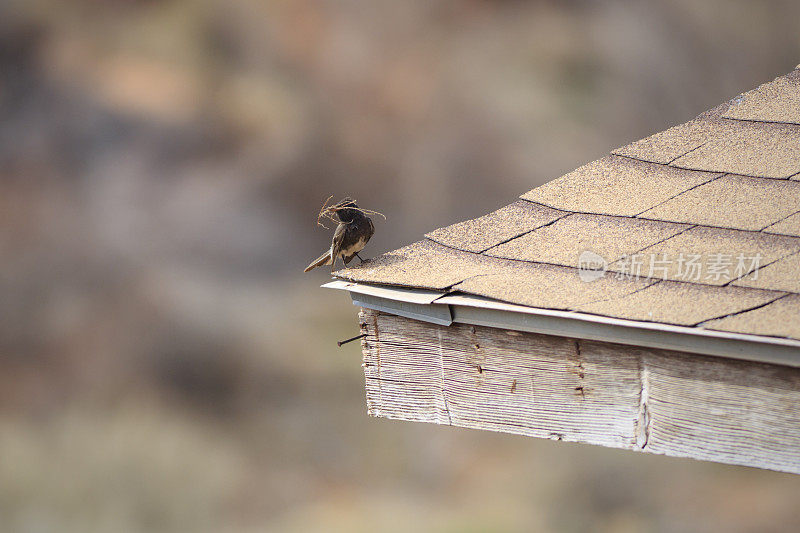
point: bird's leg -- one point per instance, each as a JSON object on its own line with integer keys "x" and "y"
{"x": 359, "y": 257}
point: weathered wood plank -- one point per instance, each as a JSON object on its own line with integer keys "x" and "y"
{"x": 641, "y": 399}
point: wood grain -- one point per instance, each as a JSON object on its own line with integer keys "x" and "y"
{"x": 642, "y": 399}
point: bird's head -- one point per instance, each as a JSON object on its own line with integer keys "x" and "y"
{"x": 346, "y": 209}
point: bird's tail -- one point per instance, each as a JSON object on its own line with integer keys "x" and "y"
{"x": 324, "y": 259}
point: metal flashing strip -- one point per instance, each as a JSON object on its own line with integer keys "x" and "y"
{"x": 417, "y": 296}
{"x": 410, "y": 303}
{"x": 466, "y": 309}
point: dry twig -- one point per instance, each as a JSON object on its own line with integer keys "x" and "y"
{"x": 327, "y": 211}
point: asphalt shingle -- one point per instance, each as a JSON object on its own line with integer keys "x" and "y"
{"x": 788, "y": 226}
{"x": 478, "y": 234}
{"x": 666, "y": 146}
{"x": 781, "y": 318}
{"x": 776, "y": 101}
{"x": 732, "y": 202}
{"x": 685, "y": 304}
{"x": 564, "y": 241}
{"x": 747, "y": 148}
{"x": 546, "y": 286}
{"x": 616, "y": 186}
{"x": 782, "y": 275}
{"x": 424, "y": 265}
{"x": 712, "y": 256}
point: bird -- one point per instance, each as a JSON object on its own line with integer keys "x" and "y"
{"x": 352, "y": 233}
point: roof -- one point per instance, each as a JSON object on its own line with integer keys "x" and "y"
{"x": 697, "y": 226}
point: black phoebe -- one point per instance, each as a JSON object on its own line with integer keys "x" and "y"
{"x": 354, "y": 230}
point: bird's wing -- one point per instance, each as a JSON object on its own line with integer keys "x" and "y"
{"x": 336, "y": 243}
{"x": 338, "y": 240}
{"x": 371, "y": 228}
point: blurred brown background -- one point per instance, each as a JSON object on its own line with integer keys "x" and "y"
{"x": 166, "y": 366}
